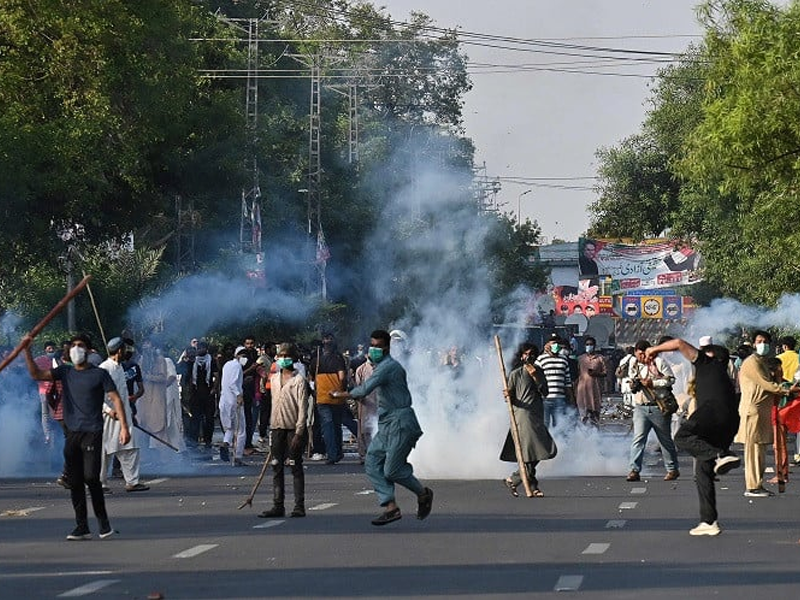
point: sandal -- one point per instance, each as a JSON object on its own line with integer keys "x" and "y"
{"x": 537, "y": 493}
{"x": 512, "y": 488}
{"x": 390, "y": 516}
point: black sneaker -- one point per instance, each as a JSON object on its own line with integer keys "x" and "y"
{"x": 62, "y": 481}
{"x": 723, "y": 464}
{"x": 424, "y": 503}
{"x": 276, "y": 512}
{"x": 106, "y": 531}
{"x": 298, "y": 511}
{"x": 224, "y": 454}
{"x": 81, "y": 532}
{"x": 390, "y": 516}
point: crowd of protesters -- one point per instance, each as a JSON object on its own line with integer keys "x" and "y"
{"x": 295, "y": 401}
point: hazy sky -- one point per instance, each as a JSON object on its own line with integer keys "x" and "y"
{"x": 549, "y": 124}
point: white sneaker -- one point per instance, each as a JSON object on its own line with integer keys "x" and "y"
{"x": 758, "y": 493}
{"x": 317, "y": 456}
{"x": 723, "y": 464}
{"x": 706, "y": 529}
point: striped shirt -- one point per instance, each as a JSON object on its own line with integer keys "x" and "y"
{"x": 556, "y": 372}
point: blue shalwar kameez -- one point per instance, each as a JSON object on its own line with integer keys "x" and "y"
{"x": 398, "y": 431}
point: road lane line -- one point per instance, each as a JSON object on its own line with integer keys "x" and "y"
{"x": 157, "y": 481}
{"x": 568, "y": 583}
{"x": 596, "y": 549}
{"x": 627, "y": 505}
{"x": 616, "y": 524}
{"x": 56, "y": 574}
{"x": 269, "y": 524}
{"x": 642, "y": 490}
{"x": 323, "y": 506}
{"x": 191, "y": 552}
{"x": 89, "y": 588}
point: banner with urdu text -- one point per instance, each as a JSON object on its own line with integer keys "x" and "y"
{"x": 650, "y": 265}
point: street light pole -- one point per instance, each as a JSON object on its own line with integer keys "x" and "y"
{"x": 519, "y": 207}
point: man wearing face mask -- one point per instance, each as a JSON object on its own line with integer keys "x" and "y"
{"x": 85, "y": 388}
{"x": 559, "y": 381}
{"x": 708, "y": 432}
{"x": 231, "y": 407}
{"x": 591, "y": 371}
{"x": 398, "y": 431}
{"x": 755, "y": 414}
{"x": 289, "y": 423}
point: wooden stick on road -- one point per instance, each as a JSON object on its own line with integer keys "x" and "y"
{"x": 249, "y": 500}
{"x": 523, "y": 472}
{"x": 43, "y": 323}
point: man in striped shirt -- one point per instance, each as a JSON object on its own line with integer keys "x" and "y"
{"x": 559, "y": 382}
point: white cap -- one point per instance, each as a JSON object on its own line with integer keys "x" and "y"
{"x": 239, "y": 349}
{"x": 706, "y": 340}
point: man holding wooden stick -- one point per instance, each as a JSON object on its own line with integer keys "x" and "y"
{"x": 85, "y": 388}
{"x": 525, "y": 391}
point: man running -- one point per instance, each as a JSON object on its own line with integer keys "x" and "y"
{"x": 398, "y": 432}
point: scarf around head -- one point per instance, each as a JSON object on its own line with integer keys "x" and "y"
{"x": 206, "y": 362}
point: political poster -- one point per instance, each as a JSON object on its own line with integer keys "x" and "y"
{"x": 654, "y": 264}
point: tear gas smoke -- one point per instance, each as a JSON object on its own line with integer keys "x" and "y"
{"x": 461, "y": 410}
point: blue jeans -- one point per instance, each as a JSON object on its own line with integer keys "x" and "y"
{"x": 331, "y": 425}
{"x": 646, "y": 418}
{"x": 554, "y": 411}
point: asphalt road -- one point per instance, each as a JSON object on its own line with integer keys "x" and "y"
{"x": 590, "y": 537}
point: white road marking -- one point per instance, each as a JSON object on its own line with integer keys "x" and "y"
{"x": 191, "y": 552}
{"x": 365, "y": 493}
{"x": 56, "y": 574}
{"x": 323, "y": 506}
{"x": 642, "y": 490}
{"x": 269, "y": 524}
{"x": 155, "y": 481}
{"x": 21, "y": 512}
{"x": 89, "y": 588}
{"x": 627, "y": 505}
{"x": 568, "y": 583}
{"x": 616, "y": 524}
{"x": 596, "y": 549}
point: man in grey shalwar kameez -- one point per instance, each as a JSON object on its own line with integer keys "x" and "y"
{"x": 398, "y": 432}
{"x": 527, "y": 387}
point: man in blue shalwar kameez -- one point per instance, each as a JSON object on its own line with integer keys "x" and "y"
{"x": 398, "y": 431}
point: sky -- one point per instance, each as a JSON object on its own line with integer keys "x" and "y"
{"x": 548, "y": 125}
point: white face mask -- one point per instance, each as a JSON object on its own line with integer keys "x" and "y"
{"x": 77, "y": 355}
{"x": 243, "y": 360}
{"x": 762, "y": 348}
{"x": 589, "y": 348}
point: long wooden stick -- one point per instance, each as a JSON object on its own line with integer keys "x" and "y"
{"x": 97, "y": 316}
{"x": 523, "y": 472}
{"x": 43, "y": 323}
{"x": 249, "y": 500}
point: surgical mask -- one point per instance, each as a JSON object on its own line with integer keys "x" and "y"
{"x": 589, "y": 348}
{"x": 762, "y": 348}
{"x": 77, "y": 355}
{"x": 375, "y": 354}
{"x": 284, "y": 362}
{"x": 555, "y": 348}
{"x": 243, "y": 360}
{"x": 52, "y": 354}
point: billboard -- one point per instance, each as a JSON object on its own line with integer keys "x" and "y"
{"x": 651, "y": 265}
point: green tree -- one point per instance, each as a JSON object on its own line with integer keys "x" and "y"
{"x": 741, "y": 162}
